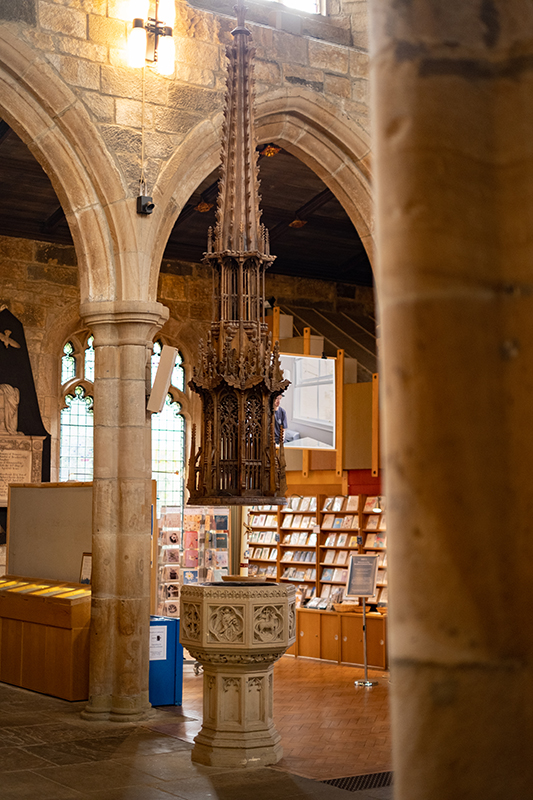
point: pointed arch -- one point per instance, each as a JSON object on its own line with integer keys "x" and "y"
{"x": 54, "y": 123}
{"x": 307, "y": 125}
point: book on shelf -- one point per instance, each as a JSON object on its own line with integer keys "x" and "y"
{"x": 382, "y": 523}
{"x": 297, "y": 521}
{"x": 253, "y": 570}
{"x": 286, "y": 539}
{"x": 273, "y": 554}
{"x": 294, "y": 538}
{"x": 271, "y": 572}
{"x": 171, "y": 555}
{"x": 331, "y": 539}
{"x": 221, "y": 522}
{"x": 329, "y": 558}
{"x": 325, "y": 590}
{"x": 372, "y": 523}
{"x": 304, "y": 504}
{"x": 312, "y": 540}
{"x": 313, "y": 602}
{"x": 375, "y": 541}
{"x": 312, "y": 504}
{"x": 190, "y": 559}
{"x": 190, "y": 540}
{"x": 271, "y": 521}
{"x": 294, "y": 503}
{"x": 337, "y": 594}
{"x": 310, "y": 574}
{"x": 342, "y": 539}
{"x": 287, "y": 521}
{"x": 328, "y": 521}
{"x": 170, "y": 537}
{"x": 310, "y": 556}
{"x": 347, "y": 521}
{"x": 352, "y": 502}
{"x": 171, "y": 608}
{"x": 337, "y": 523}
{"x": 170, "y": 573}
{"x": 189, "y": 576}
{"x": 370, "y": 504}
{"x": 327, "y": 574}
{"x": 323, "y": 604}
{"x": 328, "y": 504}
{"x": 340, "y": 575}
{"x": 383, "y": 597}
{"x": 353, "y": 541}
{"x": 302, "y": 538}
{"x": 382, "y": 577}
{"x": 382, "y": 560}
{"x": 191, "y": 522}
{"x": 355, "y": 522}
{"x": 262, "y": 570}
{"x": 307, "y": 521}
{"x": 338, "y": 503}
{"x": 299, "y": 575}
{"x": 288, "y": 555}
{"x": 259, "y": 521}
{"x": 342, "y": 557}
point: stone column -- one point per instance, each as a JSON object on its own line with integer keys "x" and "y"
{"x": 453, "y": 125}
{"x": 119, "y": 661}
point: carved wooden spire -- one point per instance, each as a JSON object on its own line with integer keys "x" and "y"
{"x": 239, "y": 374}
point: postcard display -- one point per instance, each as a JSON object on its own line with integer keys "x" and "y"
{"x": 309, "y": 543}
{"x": 193, "y": 548}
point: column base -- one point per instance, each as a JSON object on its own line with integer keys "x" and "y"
{"x": 230, "y": 749}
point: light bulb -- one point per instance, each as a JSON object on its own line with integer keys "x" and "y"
{"x": 166, "y": 12}
{"x": 137, "y": 47}
{"x": 165, "y": 55}
{"x": 138, "y": 9}
{"x": 377, "y": 506}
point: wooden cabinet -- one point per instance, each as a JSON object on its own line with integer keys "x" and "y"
{"x": 339, "y": 637}
{"x": 44, "y": 636}
{"x": 329, "y": 636}
{"x": 308, "y": 633}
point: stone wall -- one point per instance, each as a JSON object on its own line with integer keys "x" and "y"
{"x": 85, "y": 42}
{"x": 40, "y": 286}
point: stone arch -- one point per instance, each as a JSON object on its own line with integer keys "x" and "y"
{"x": 307, "y": 125}
{"x": 55, "y": 125}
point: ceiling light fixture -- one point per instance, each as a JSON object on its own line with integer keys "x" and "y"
{"x": 150, "y": 38}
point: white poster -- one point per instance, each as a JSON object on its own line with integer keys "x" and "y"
{"x": 158, "y": 642}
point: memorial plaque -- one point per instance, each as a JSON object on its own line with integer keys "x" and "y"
{"x": 20, "y": 461}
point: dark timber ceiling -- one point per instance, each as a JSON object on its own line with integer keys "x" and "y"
{"x": 327, "y": 246}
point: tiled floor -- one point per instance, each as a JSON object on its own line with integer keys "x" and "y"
{"x": 328, "y": 729}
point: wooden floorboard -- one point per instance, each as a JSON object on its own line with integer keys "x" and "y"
{"x": 329, "y": 728}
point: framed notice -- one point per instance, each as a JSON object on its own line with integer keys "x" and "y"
{"x": 86, "y": 568}
{"x": 362, "y": 576}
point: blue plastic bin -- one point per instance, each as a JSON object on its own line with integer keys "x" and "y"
{"x": 166, "y": 662}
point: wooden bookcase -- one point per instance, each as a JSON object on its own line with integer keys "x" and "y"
{"x": 334, "y": 635}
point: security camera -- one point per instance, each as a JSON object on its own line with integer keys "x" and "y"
{"x": 144, "y": 205}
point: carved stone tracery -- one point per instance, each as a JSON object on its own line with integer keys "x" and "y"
{"x": 238, "y": 375}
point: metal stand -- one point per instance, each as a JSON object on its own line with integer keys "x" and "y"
{"x": 365, "y": 682}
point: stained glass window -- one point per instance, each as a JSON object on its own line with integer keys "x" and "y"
{"x": 76, "y": 441}
{"x": 68, "y": 363}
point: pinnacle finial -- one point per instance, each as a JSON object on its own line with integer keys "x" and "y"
{"x": 240, "y": 11}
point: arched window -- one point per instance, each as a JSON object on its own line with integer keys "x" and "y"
{"x": 76, "y": 422}
{"x": 168, "y": 438}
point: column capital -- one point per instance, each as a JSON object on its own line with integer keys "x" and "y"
{"x": 124, "y": 321}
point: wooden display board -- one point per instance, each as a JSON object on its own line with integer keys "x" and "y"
{"x": 49, "y": 528}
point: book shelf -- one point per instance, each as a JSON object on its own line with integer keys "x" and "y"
{"x": 339, "y": 539}
{"x": 373, "y": 526}
{"x": 309, "y": 543}
{"x": 262, "y": 533}
{"x": 298, "y": 546}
